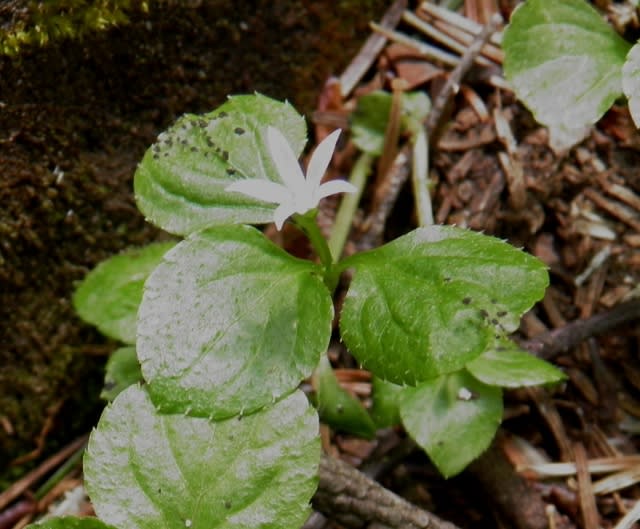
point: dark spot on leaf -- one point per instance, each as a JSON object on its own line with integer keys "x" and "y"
{"x": 193, "y": 149}
{"x": 209, "y": 142}
{"x": 494, "y": 301}
{"x": 202, "y": 123}
{"x": 227, "y": 504}
{"x": 239, "y": 131}
{"x": 484, "y": 313}
{"x": 231, "y": 171}
{"x": 501, "y": 347}
{"x": 494, "y": 321}
{"x": 502, "y": 313}
{"x": 225, "y": 156}
{"x": 223, "y": 115}
{"x": 447, "y": 279}
{"x": 466, "y": 301}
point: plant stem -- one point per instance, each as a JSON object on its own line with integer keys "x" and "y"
{"x": 307, "y": 223}
{"x": 348, "y": 206}
{"x": 420, "y": 178}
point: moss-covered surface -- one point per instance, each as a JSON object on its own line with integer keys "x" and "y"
{"x": 75, "y": 117}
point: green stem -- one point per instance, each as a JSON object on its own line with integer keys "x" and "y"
{"x": 307, "y": 223}
{"x": 421, "y": 178}
{"x": 348, "y": 206}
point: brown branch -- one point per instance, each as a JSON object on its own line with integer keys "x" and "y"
{"x": 557, "y": 341}
{"x": 350, "y": 497}
{"x": 510, "y": 494}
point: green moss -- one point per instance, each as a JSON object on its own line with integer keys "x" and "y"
{"x": 38, "y": 23}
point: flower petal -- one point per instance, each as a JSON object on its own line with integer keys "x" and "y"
{"x": 264, "y": 190}
{"x": 285, "y": 161}
{"x": 320, "y": 159}
{"x": 333, "y": 187}
{"x": 282, "y": 213}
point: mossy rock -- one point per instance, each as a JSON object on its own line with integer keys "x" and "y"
{"x": 77, "y": 114}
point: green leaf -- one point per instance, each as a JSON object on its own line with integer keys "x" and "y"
{"x": 431, "y": 301}
{"x": 122, "y": 371}
{"x": 506, "y": 365}
{"x": 337, "y": 407}
{"x": 453, "y": 418}
{"x": 180, "y": 184}
{"x": 229, "y": 323}
{"x": 145, "y": 470}
{"x": 564, "y": 62}
{"x": 71, "y": 522}
{"x": 631, "y": 82}
{"x": 385, "y": 410}
{"x": 369, "y": 121}
{"x": 110, "y": 294}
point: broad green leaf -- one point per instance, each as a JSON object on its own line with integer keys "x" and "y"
{"x": 506, "y": 365}
{"x": 453, "y": 418}
{"x": 631, "y": 82}
{"x": 564, "y": 62}
{"x": 369, "y": 121}
{"x": 336, "y": 407}
{"x": 385, "y": 410}
{"x": 229, "y": 323}
{"x": 110, "y": 294}
{"x": 71, "y": 522}
{"x": 122, "y": 371}
{"x": 180, "y": 184}
{"x": 145, "y": 470}
{"x": 434, "y": 299}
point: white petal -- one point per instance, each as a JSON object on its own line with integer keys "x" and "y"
{"x": 320, "y": 159}
{"x": 282, "y": 213}
{"x": 333, "y": 187}
{"x": 264, "y": 190}
{"x": 285, "y": 160}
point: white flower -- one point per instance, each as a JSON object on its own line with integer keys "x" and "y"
{"x": 296, "y": 194}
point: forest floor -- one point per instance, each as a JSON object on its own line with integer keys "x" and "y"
{"x": 579, "y": 212}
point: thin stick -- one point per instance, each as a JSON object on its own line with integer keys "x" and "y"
{"x": 455, "y": 77}
{"x": 370, "y": 49}
{"x": 457, "y": 20}
{"x": 491, "y": 51}
{"x": 426, "y": 50}
{"x": 440, "y": 36}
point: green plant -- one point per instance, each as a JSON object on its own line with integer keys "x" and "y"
{"x": 569, "y": 66}
{"x": 229, "y": 324}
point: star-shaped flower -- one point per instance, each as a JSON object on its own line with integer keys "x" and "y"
{"x": 296, "y": 194}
